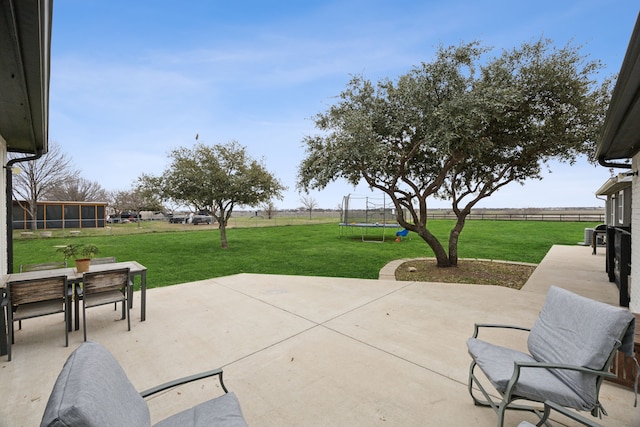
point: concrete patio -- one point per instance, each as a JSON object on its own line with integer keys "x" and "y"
{"x": 311, "y": 351}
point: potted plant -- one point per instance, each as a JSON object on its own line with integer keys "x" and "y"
{"x": 81, "y": 253}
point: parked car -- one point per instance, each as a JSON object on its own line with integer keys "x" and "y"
{"x": 113, "y": 219}
{"x": 178, "y": 219}
{"x": 129, "y": 216}
{"x": 201, "y": 219}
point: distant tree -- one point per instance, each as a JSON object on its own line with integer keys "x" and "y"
{"x": 308, "y": 204}
{"x": 38, "y": 178}
{"x": 78, "y": 190}
{"x": 215, "y": 178}
{"x": 269, "y": 208}
{"x": 459, "y": 129}
{"x": 119, "y": 201}
{"x": 133, "y": 200}
{"x": 145, "y": 195}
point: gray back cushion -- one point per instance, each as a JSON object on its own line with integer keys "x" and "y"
{"x": 93, "y": 390}
{"x": 575, "y": 330}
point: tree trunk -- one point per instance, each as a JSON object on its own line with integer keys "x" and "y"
{"x": 33, "y": 212}
{"x": 453, "y": 246}
{"x": 441, "y": 255}
{"x": 454, "y": 236}
{"x": 222, "y": 226}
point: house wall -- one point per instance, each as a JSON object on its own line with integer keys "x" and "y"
{"x": 634, "y": 304}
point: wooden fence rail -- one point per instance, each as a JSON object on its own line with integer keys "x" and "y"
{"x": 566, "y": 217}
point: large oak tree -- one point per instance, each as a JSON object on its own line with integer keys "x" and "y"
{"x": 215, "y": 178}
{"x": 459, "y": 128}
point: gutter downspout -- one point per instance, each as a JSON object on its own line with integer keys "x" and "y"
{"x": 606, "y": 164}
{"x": 9, "y": 201}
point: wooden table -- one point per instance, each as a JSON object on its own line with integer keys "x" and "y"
{"x": 73, "y": 277}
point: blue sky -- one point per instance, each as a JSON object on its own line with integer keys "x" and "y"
{"x": 131, "y": 80}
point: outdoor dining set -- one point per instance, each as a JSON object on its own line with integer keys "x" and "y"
{"x": 92, "y": 389}
{"x": 51, "y": 288}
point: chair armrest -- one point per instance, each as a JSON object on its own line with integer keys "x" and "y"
{"x": 184, "y": 380}
{"x": 519, "y": 365}
{"x": 477, "y": 327}
{"x": 536, "y": 365}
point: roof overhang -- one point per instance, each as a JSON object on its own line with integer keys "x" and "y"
{"x": 25, "y": 56}
{"x": 621, "y": 134}
{"x": 615, "y": 184}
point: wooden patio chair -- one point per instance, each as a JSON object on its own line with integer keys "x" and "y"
{"x": 43, "y": 266}
{"x": 27, "y": 299}
{"x": 570, "y": 350}
{"x": 24, "y": 268}
{"x": 100, "y": 288}
{"x": 110, "y": 260}
{"x": 104, "y": 260}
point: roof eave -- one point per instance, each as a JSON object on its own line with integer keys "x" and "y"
{"x": 621, "y": 131}
{"x": 615, "y": 185}
{"x": 25, "y": 42}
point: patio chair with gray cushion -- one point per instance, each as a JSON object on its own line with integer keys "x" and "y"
{"x": 93, "y": 391}
{"x": 570, "y": 349}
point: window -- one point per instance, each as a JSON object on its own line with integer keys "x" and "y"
{"x": 620, "y": 205}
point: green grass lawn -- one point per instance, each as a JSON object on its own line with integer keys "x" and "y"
{"x": 314, "y": 250}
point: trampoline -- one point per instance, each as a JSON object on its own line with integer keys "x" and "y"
{"x": 366, "y": 214}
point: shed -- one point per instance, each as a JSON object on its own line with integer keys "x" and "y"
{"x": 58, "y": 214}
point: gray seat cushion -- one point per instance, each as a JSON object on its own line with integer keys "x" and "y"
{"x": 223, "y": 411}
{"x": 534, "y": 383}
{"x": 93, "y": 391}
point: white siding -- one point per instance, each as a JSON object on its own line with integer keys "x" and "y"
{"x": 634, "y": 305}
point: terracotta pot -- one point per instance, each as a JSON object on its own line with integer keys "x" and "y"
{"x": 82, "y": 265}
